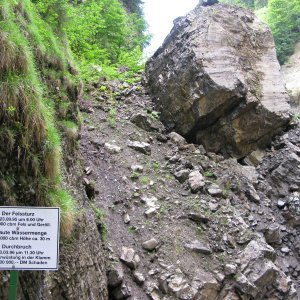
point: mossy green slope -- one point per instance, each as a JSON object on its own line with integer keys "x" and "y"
{"x": 38, "y": 101}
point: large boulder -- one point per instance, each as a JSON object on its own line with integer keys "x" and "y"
{"x": 216, "y": 80}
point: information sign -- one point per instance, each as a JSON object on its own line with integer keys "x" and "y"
{"x": 29, "y": 238}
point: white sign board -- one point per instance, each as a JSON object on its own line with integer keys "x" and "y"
{"x": 29, "y": 238}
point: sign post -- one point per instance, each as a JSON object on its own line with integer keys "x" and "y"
{"x": 29, "y": 240}
{"x": 13, "y": 285}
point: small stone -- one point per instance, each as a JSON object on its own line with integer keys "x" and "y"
{"x": 129, "y": 258}
{"x": 142, "y": 121}
{"x": 215, "y": 191}
{"x": 141, "y": 147}
{"x": 122, "y": 292}
{"x": 112, "y": 149}
{"x": 285, "y": 250}
{"x": 177, "y": 138}
{"x": 137, "y": 168}
{"x": 138, "y": 278}
{"x": 272, "y": 234}
{"x": 196, "y": 181}
{"x": 151, "y": 212}
{"x": 281, "y": 204}
{"x": 126, "y": 219}
{"x": 162, "y": 138}
{"x": 230, "y": 269}
{"x": 198, "y": 218}
{"x": 199, "y": 246}
{"x": 182, "y": 175}
{"x": 115, "y": 276}
{"x": 88, "y": 170}
{"x": 174, "y": 159}
{"x": 154, "y": 295}
{"x": 150, "y": 244}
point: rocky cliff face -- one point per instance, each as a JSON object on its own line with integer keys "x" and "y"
{"x": 216, "y": 80}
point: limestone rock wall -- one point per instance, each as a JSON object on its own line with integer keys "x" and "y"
{"x": 216, "y": 80}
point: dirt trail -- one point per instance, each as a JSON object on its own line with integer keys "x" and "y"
{"x": 142, "y": 200}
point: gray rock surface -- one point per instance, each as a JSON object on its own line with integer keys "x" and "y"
{"x": 129, "y": 257}
{"x": 216, "y": 80}
{"x": 150, "y": 244}
{"x": 142, "y": 147}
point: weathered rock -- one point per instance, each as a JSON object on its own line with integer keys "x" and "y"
{"x": 216, "y": 80}
{"x": 206, "y": 285}
{"x": 140, "y": 147}
{"x": 230, "y": 269}
{"x": 115, "y": 276}
{"x": 112, "y": 149}
{"x": 182, "y": 175}
{"x": 152, "y": 205}
{"x": 138, "y": 277}
{"x": 177, "y": 139}
{"x": 258, "y": 269}
{"x": 198, "y": 218}
{"x": 196, "y": 181}
{"x": 272, "y": 234}
{"x": 176, "y": 283}
{"x": 214, "y": 190}
{"x": 126, "y": 218}
{"x": 141, "y": 120}
{"x": 137, "y": 168}
{"x": 129, "y": 257}
{"x": 199, "y": 246}
{"x": 150, "y": 244}
{"x": 122, "y": 292}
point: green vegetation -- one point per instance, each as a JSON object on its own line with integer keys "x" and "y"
{"x": 29, "y": 50}
{"x": 106, "y": 37}
{"x": 40, "y": 87}
{"x": 284, "y": 20}
{"x": 100, "y": 220}
{"x": 282, "y": 16}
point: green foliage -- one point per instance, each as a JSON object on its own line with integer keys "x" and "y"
{"x": 104, "y": 36}
{"x": 284, "y": 19}
{"x": 29, "y": 48}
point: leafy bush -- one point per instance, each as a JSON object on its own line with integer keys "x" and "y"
{"x": 283, "y": 18}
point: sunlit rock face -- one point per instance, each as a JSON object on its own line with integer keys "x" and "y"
{"x": 216, "y": 80}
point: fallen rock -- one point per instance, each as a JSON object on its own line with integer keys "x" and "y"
{"x": 140, "y": 147}
{"x": 115, "y": 276}
{"x": 216, "y": 80}
{"x": 112, "y": 149}
{"x": 141, "y": 120}
{"x": 122, "y": 292}
{"x": 126, "y": 219}
{"x": 182, "y": 175}
{"x": 129, "y": 257}
{"x": 199, "y": 246}
{"x": 150, "y": 244}
{"x": 272, "y": 234}
{"x": 215, "y": 191}
{"x": 198, "y": 218}
{"x": 196, "y": 181}
{"x": 206, "y": 285}
{"x": 177, "y": 138}
{"x": 137, "y": 168}
{"x": 230, "y": 269}
{"x": 139, "y": 278}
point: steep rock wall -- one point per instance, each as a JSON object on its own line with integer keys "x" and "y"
{"x": 216, "y": 80}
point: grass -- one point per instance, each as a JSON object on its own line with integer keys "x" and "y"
{"x": 29, "y": 100}
{"x": 112, "y": 117}
{"x": 62, "y": 199}
{"x": 100, "y": 219}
